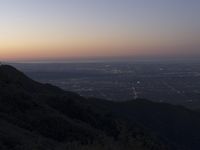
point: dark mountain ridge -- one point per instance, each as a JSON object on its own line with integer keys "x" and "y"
{"x": 42, "y": 116}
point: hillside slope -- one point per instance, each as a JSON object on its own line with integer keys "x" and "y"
{"x": 42, "y": 116}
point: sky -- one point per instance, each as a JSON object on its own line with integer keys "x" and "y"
{"x": 78, "y": 29}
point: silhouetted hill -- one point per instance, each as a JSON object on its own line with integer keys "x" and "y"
{"x": 12, "y": 77}
{"x": 42, "y": 116}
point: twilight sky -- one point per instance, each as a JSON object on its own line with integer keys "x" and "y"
{"x": 67, "y": 29}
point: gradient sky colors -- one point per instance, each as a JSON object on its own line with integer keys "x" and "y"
{"x": 67, "y": 29}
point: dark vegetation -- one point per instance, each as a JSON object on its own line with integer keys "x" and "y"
{"x": 43, "y": 117}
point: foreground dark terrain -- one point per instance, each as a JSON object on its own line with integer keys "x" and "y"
{"x": 42, "y": 116}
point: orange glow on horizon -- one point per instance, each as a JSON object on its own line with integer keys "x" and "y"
{"x": 52, "y": 45}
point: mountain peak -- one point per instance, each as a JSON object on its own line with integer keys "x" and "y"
{"x": 10, "y": 76}
{"x": 7, "y": 69}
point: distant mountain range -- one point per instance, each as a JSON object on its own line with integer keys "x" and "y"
{"x": 44, "y": 117}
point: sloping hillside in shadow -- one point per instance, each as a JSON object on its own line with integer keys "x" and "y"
{"x": 42, "y": 116}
